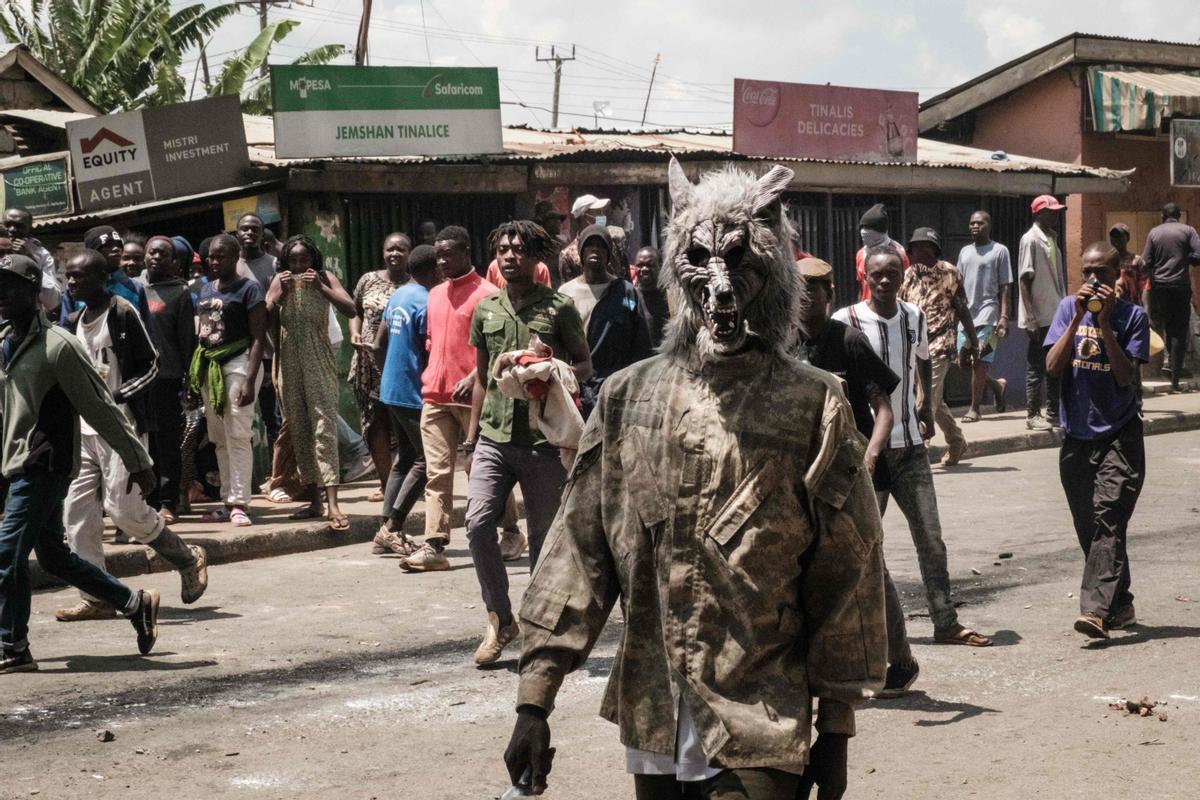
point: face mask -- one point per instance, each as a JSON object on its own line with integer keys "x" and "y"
{"x": 602, "y": 220}
{"x": 873, "y": 238}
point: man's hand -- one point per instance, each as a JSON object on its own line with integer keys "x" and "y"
{"x": 968, "y": 355}
{"x": 245, "y": 395}
{"x": 144, "y": 480}
{"x": 870, "y": 459}
{"x": 925, "y": 421}
{"x": 1109, "y": 297}
{"x": 462, "y": 389}
{"x": 1002, "y": 328}
{"x": 1081, "y": 298}
{"x": 529, "y": 749}
{"x": 826, "y": 768}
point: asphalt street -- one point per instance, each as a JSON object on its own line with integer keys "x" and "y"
{"x": 334, "y": 674}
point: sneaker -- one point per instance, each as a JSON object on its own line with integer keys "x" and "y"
{"x": 194, "y": 579}
{"x": 495, "y": 639}
{"x": 1123, "y": 618}
{"x": 900, "y": 678}
{"x": 387, "y": 541}
{"x": 1091, "y": 625}
{"x": 359, "y": 469}
{"x": 1054, "y": 422}
{"x": 427, "y": 559}
{"x": 85, "y": 610}
{"x": 1037, "y": 423}
{"x": 16, "y": 661}
{"x": 145, "y": 620}
{"x": 512, "y": 545}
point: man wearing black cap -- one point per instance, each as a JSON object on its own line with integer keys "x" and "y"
{"x": 46, "y": 384}
{"x": 873, "y": 229}
{"x": 107, "y": 241}
{"x": 936, "y": 287}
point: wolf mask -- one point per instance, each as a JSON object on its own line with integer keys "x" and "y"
{"x": 727, "y": 256}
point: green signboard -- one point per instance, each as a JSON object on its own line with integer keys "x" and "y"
{"x": 40, "y": 186}
{"x": 325, "y": 111}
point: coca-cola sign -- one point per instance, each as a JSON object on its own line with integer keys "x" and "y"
{"x": 803, "y": 120}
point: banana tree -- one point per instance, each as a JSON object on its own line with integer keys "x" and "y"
{"x": 236, "y": 73}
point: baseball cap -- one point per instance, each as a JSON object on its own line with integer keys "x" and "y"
{"x": 101, "y": 236}
{"x": 815, "y": 268}
{"x": 926, "y": 235}
{"x": 1046, "y": 201}
{"x": 22, "y": 267}
{"x": 587, "y": 202}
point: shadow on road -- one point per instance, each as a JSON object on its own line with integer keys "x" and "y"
{"x": 120, "y": 664}
{"x": 1145, "y": 633}
{"x": 965, "y": 468}
{"x": 921, "y": 702}
{"x": 183, "y": 616}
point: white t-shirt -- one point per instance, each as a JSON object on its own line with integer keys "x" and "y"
{"x": 689, "y": 762}
{"x": 899, "y": 341}
{"x": 584, "y": 295}
{"x": 98, "y": 344}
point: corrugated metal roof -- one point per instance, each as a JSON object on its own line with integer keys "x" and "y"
{"x": 53, "y": 119}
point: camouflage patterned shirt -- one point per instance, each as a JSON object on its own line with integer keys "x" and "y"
{"x": 725, "y": 506}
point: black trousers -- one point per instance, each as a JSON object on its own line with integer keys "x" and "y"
{"x": 1102, "y": 479}
{"x": 406, "y": 482}
{"x": 166, "y": 443}
{"x": 1171, "y": 309}
{"x": 1036, "y": 377}
{"x": 730, "y": 784}
{"x": 268, "y": 404}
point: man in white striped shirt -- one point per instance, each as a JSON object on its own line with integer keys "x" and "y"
{"x": 898, "y": 334}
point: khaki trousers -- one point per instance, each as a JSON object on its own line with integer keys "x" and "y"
{"x": 939, "y": 367}
{"x": 443, "y": 429}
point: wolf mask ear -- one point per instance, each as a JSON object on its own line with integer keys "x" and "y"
{"x": 769, "y": 187}
{"x": 678, "y": 185}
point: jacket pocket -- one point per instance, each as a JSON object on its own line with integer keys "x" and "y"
{"x": 543, "y": 606}
{"x": 643, "y": 484}
{"x": 745, "y": 500}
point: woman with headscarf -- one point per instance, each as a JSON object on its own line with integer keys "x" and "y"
{"x": 298, "y": 303}
{"x": 371, "y": 296}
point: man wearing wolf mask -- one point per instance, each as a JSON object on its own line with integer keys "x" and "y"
{"x": 719, "y": 494}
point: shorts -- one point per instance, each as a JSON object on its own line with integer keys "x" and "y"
{"x": 988, "y": 341}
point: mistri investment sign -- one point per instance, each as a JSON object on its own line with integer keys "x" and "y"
{"x": 385, "y": 111}
{"x": 158, "y": 153}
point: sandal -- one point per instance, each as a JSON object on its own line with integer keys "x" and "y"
{"x": 308, "y": 512}
{"x": 217, "y": 515}
{"x": 376, "y": 496}
{"x": 279, "y": 496}
{"x": 339, "y": 522}
{"x": 970, "y": 416}
{"x": 963, "y": 636}
{"x": 239, "y": 518}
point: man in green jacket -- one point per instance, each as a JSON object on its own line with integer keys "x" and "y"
{"x": 46, "y": 384}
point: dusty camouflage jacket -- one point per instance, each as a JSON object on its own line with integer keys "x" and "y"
{"x": 726, "y": 507}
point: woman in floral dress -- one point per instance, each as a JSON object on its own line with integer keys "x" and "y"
{"x": 370, "y": 298}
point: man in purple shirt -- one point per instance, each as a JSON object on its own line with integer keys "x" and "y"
{"x": 1095, "y": 343}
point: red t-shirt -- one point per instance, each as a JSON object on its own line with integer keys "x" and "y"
{"x": 541, "y": 274}
{"x": 451, "y": 356}
{"x": 860, "y": 269}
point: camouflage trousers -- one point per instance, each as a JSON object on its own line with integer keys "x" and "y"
{"x": 730, "y": 784}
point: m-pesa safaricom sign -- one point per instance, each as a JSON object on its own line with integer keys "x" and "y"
{"x": 324, "y": 111}
{"x": 158, "y": 153}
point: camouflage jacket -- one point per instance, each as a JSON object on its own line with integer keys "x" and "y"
{"x": 726, "y": 507}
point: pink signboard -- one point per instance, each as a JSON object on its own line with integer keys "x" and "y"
{"x": 806, "y": 120}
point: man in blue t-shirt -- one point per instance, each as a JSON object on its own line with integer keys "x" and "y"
{"x": 401, "y": 355}
{"x": 1096, "y": 342}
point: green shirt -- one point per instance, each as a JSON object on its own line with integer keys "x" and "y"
{"x": 498, "y": 328}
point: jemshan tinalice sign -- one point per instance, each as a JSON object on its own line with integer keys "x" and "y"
{"x": 323, "y": 111}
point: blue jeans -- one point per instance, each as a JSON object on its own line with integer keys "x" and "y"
{"x": 33, "y": 520}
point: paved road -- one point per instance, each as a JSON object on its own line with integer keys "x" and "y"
{"x": 333, "y": 674}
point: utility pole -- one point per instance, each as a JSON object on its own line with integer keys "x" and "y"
{"x": 558, "y": 62}
{"x": 364, "y": 24}
{"x": 650, "y": 88}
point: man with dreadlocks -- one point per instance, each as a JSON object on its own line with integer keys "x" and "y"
{"x": 508, "y": 449}
{"x": 719, "y": 494}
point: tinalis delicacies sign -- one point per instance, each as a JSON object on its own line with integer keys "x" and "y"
{"x": 385, "y": 111}
{"x": 803, "y": 120}
{"x": 158, "y": 153}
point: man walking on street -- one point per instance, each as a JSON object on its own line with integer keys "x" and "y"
{"x": 1172, "y": 250}
{"x": 47, "y": 384}
{"x": 898, "y": 334}
{"x": 935, "y": 287}
{"x": 509, "y": 450}
{"x": 1042, "y": 285}
{"x": 986, "y": 272}
{"x": 1095, "y": 343}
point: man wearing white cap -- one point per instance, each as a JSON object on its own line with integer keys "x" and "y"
{"x": 587, "y": 210}
{"x": 1040, "y": 272}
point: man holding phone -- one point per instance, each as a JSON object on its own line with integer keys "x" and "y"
{"x": 1094, "y": 345}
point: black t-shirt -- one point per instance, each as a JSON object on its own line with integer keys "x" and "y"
{"x": 846, "y": 353}
{"x": 225, "y": 315}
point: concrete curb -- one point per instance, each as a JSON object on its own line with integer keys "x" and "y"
{"x": 1164, "y": 422}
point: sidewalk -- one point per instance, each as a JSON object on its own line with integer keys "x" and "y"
{"x": 273, "y": 534}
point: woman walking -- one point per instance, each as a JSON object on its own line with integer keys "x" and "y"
{"x": 298, "y": 304}
{"x": 370, "y": 298}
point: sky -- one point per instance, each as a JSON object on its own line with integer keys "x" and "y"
{"x": 921, "y": 46}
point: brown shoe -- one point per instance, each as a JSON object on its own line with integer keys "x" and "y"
{"x": 1091, "y": 625}
{"x": 86, "y": 610}
{"x": 495, "y": 639}
{"x": 427, "y": 559}
{"x": 387, "y": 541}
{"x": 953, "y": 455}
{"x": 194, "y": 579}
{"x": 1122, "y": 618}
{"x": 512, "y": 545}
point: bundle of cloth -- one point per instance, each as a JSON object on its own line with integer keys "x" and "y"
{"x": 535, "y": 376}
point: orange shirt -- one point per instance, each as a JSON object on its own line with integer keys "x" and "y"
{"x": 541, "y": 274}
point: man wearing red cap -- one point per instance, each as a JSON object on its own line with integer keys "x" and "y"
{"x": 1043, "y": 285}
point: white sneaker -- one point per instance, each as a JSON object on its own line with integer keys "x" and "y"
{"x": 495, "y": 639}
